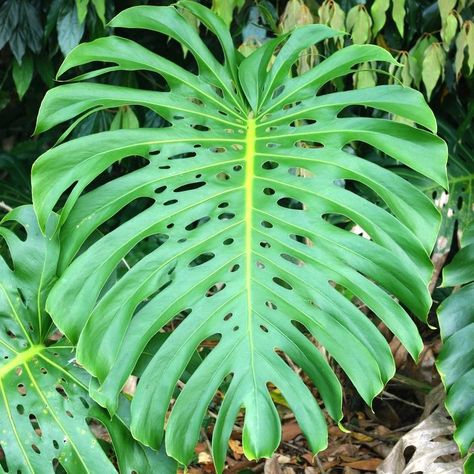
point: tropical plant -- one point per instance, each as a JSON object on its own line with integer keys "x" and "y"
{"x": 241, "y": 194}
{"x": 45, "y": 407}
{"x": 456, "y": 360}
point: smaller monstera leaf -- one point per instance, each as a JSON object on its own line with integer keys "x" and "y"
{"x": 236, "y": 204}
{"x": 456, "y": 360}
{"x": 44, "y": 403}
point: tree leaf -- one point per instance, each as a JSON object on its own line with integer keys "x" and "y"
{"x": 331, "y": 14}
{"x": 44, "y": 66}
{"x": 225, "y": 8}
{"x": 296, "y": 13}
{"x": 70, "y": 30}
{"x": 378, "y": 11}
{"x": 469, "y": 28}
{"x": 359, "y": 24}
{"x": 99, "y": 6}
{"x": 44, "y": 400}
{"x": 365, "y": 76}
{"x": 445, "y": 6}
{"x": 398, "y": 15}
{"x": 81, "y": 8}
{"x": 9, "y": 19}
{"x": 22, "y": 75}
{"x": 237, "y": 200}
{"x": 449, "y": 29}
{"x": 416, "y": 56}
{"x": 433, "y": 67}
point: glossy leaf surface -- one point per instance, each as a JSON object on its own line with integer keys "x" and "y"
{"x": 456, "y": 360}
{"x": 44, "y": 401}
{"x": 239, "y": 193}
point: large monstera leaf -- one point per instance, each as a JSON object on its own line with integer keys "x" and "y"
{"x": 44, "y": 401}
{"x": 456, "y": 360}
{"x": 242, "y": 191}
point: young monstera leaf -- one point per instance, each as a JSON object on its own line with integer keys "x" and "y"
{"x": 456, "y": 360}
{"x": 241, "y": 189}
{"x": 44, "y": 402}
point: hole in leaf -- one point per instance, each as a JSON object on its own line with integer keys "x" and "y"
{"x": 271, "y": 305}
{"x": 201, "y": 259}
{"x": 282, "y": 283}
{"x": 197, "y": 223}
{"x": 189, "y": 187}
{"x": 214, "y": 289}
{"x": 301, "y": 172}
{"x": 270, "y": 165}
{"x": 290, "y": 203}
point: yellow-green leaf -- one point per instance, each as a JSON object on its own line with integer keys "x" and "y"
{"x": 99, "y": 6}
{"x": 296, "y": 13}
{"x": 469, "y": 28}
{"x": 398, "y": 15}
{"x": 81, "y": 6}
{"x": 359, "y": 24}
{"x": 445, "y": 6}
{"x": 416, "y": 55}
{"x": 433, "y": 67}
{"x": 461, "y": 43}
{"x": 365, "y": 76}
{"x": 378, "y": 12}
{"x": 331, "y": 14}
{"x": 249, "y": 46}
{"x": 225, "y": 8}
{"x": 449, "y": 28}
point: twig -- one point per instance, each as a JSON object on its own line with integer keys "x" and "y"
{"x": 5, "y": 206}
{"x": 406, "y": 402}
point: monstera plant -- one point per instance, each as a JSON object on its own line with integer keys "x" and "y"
{"x": 241, "y": 195}
{"x": 44, "y": 402}
{"x": 456, "y": 360}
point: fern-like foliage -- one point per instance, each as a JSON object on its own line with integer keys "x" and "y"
{"x": 241, "y": 190}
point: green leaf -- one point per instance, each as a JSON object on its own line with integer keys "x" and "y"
{"x": 445, "y": 6}
{"x": 461, "y": 45}
{"x": 99, "y": 6}
{"x": 365, "y": 76}
{"x": 456, "y": 359}
{"x": 434, "y": 60}
{"x": 44, "y": 66}
{"x": 398, "y": 15}
{"x": 449, "y": 29}
{"x": 81, "y": 7}
{"x": 44, "y": 400}
{"x": 469, "y": 29}
{"x": 225, "y": 9}
{"x": 70, "y": 29}
{"x": 359, "y": 24}
{"x": 331, "y": 14}
{"x": 9, "y": 19}
{"x": 124, "y": 118}
{"x": 22, "y": 75}
{"x": 378, "y": 11}
{"x": 416, "y": 56}
{"x": 239, "y": 194}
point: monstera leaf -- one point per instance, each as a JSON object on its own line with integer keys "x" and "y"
{"x": 239, "y": 195}
{"x": 456, "y": 360}
{"x": 44, "y": 401}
